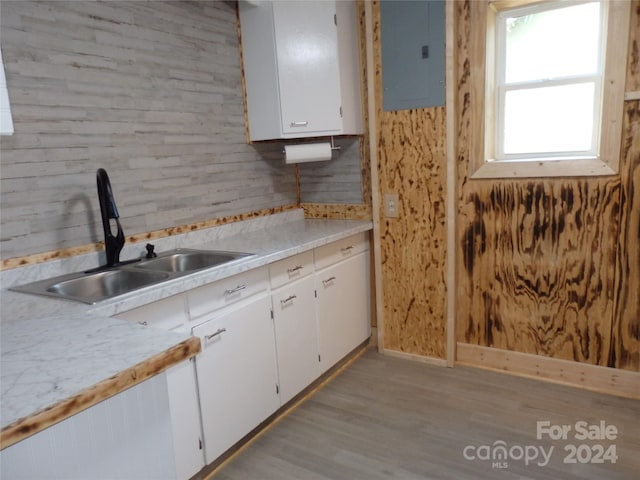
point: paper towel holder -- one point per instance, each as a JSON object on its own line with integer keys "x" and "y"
{"x": 333, "y": 146}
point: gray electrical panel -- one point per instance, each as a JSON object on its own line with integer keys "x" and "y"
{"x": 413, "y": 53}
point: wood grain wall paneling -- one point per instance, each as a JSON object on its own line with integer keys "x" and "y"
{"x": 414, "y": 245}
{"x": 536, "y": 272}
{"x": 412, "y": 163}
{"x": 365, "y": 157}
{"x": 548, "y": 266}
{"x": 625, "y": 351}
{"x": 625, "y": 345}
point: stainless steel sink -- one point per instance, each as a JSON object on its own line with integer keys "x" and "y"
{"x": 95, "y": 286}
{"x": 98, "y": 286}
{"x": 185, "y": 260}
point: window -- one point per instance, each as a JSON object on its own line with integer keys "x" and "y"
{"x": 551, "y": 99}
{"x": 6, "y": 123}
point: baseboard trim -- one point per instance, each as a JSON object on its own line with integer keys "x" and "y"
{"x": 613, "y": 381}
{"x": 440, "y": 362}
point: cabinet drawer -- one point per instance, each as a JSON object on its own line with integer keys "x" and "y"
{"x": 291, "y": 268}
{"x": 224, "y": 292}
{"x": 168, "y": 313}
{"x": 340, "y": 250}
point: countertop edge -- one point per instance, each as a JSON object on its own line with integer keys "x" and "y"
{"x": 50, "y": 415}
{"x": 27, "y": 426}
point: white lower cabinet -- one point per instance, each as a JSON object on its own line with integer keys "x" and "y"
{"x": 296, "y": 336}
{"x": 185, "y": 419}
{"x": 344, "y": 308}
{"x": 171, "y": 313}
{"x": 125, "y": 437}
{"x": 236, "y": 371}
{"x": 266, "y": 335}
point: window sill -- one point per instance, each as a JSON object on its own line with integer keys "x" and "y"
{"x": 582, "y": 167}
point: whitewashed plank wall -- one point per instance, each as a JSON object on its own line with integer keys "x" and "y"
{"x": 148, "y": 90}
{"x": 335, "y": 181}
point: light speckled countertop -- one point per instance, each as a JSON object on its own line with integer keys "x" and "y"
{"x": 54, "y": 349}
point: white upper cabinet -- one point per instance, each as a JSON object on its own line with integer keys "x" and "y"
{"x": 301, "y": 68}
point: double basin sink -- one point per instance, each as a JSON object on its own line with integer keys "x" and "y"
{"x": 95, "y": 286}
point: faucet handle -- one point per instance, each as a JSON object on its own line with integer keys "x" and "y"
{"x": 150, "y": 253}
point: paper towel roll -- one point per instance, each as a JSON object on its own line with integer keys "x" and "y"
{"x": 307, "y": 152}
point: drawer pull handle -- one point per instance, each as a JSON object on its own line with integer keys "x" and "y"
{"x": 298, "y": 124}
{"x": 328, "y": 280}
{"x": 346, "y": 249}
{"x": 220, "y": 330}
{"x": 294, "y": 269}
{"x": 235, "y": 290}
{"x": 288, "y": 299}
{"x": 144, "y": 322}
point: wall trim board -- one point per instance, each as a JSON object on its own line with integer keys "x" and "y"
{"x": 243, "y": 81}
{"x": 438, "y": 362}
{"x": 341, "y": 211}
{"x": 622, "y": 383}
{"x": 365, "y": 75}
{"x": 373, "y": 106}
{"x": 36, "y": 258}
{"x": 451, "y": 194}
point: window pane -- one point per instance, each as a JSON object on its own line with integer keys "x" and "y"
{"x": 556, "y": 43}
{"x": 550, "y": 119}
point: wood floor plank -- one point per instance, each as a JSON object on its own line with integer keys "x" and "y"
{"x": 385, "y": 417}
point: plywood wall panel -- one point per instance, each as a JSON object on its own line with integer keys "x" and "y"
{"x": 633, "y": 65}
{"x": 411, "y": 163}
{"x": 625, "y": 349}
{"x": 548, "y": 266}
{"x": 536, "y": 272}
{"x": 413, "y": 246}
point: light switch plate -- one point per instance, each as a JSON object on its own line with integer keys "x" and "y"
{"x": 391, "y": 205}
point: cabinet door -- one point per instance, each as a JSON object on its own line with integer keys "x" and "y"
{"x": 308, "y": 71}
{"x": 294, "y": 319}
{"x": 343, "y": 308}
{"x": 185, "y": 419}
{"x": 237, "y": 377}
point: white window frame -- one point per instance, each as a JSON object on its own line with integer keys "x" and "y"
{"x": 6, "y": 121}
{"x": 486, "y": 160}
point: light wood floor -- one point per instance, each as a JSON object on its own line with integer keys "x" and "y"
{"x": 385, "y": 418}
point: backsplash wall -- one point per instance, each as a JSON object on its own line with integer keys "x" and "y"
{"x": 150, "y": 91}
{"x": 336, "y": 181}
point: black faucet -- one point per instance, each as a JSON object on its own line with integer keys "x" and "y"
{"x": 112, "y": 244}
